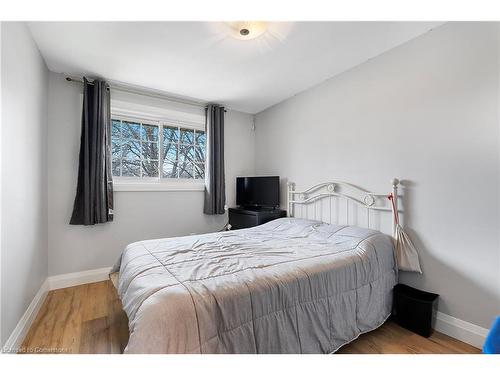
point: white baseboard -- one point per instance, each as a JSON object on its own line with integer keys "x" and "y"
{"x": 461, "y": 330}
{"x": 17, "y": 336}
{"x": 78, "y": 278}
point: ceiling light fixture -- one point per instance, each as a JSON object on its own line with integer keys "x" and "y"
{"x": 246, "y": 30}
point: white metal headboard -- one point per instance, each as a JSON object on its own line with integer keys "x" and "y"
{"x": 336, "y": 193}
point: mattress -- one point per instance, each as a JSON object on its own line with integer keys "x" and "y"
{"x": 288, "y": 286}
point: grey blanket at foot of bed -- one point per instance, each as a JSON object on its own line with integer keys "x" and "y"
{"x": 288, "y": 286}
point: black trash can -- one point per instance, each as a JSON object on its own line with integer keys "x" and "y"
{"x": 415, "y": 309}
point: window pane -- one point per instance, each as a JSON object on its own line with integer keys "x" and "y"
{"x": 131, "y": 130}
{"x": 131, "y": 149}
{"x": 186, "y": 153}
{"x": 115, "y": 129}
{"x": 170, "y": 169}
{"x": 187, "y": 136}
{"x": 170, "y": 134}
{"x": 199, "y": 154}
{"x": 115, "y": 149}
{"x": 199, "y": 170}
{"x": 170, "y": 151}
{"x": 150, "y": 168}
{"x": 149, "y": 132}
{"x": 186, "y": 170}
{"x": 116, "y": 167}
{"x": 201, "y": 138}
{"x": 150, "y": 150}
{"x": 131, "y": 168}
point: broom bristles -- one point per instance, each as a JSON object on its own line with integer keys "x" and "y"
{"x": 406, "y": 253}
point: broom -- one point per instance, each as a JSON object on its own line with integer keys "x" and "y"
{"x": 406, "y": 253}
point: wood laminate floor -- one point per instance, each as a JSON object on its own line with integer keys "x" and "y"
{"x": 89, "y": 319}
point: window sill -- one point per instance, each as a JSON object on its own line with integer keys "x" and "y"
{"x": 159, "y": 186}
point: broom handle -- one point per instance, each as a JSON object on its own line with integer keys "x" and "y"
{"x": 394, "y": 210}
{"x": 393, "y": 197}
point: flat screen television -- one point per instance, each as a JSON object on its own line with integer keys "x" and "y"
{"x": 258, "y": 191}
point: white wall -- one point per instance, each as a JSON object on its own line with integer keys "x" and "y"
{"x": 24, "y": 173}
{"x": 426, "y": 112}
{"x": 138, "y": 215}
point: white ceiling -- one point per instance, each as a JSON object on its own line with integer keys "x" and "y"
{"x": 201, "y": 61}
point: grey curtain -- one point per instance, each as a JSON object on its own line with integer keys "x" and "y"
{"x": 94, "y": 193}
{"x": 215, "y": 189}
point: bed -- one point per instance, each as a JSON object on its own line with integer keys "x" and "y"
{"x": 293, "y": 285}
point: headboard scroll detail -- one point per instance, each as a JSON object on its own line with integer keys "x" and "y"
{"x": 347, "y": 192}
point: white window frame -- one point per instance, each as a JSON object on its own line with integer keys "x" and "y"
{"x": 156, "y": 183}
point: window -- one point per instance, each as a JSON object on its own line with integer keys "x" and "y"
{"x": 147, "y": 151}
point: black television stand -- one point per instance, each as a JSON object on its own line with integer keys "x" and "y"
{"x": 247, "y": 217}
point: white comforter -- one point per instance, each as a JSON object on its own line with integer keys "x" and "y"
{"x": 288, "y": 286}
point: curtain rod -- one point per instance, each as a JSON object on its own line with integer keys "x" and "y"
{"x": 145, "y": 92}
